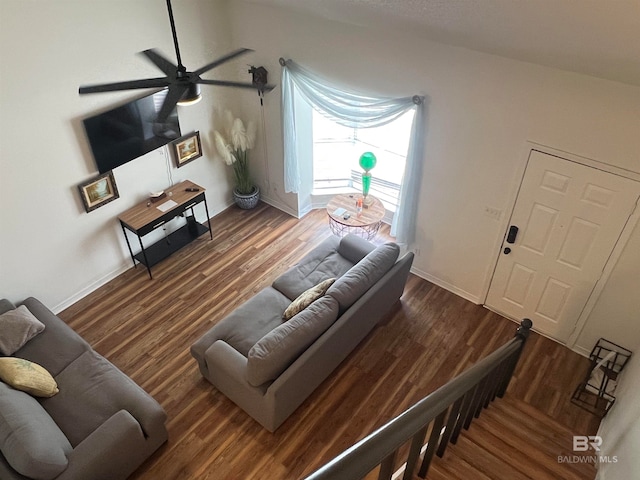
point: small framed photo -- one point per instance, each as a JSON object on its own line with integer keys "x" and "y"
{"x": 187, "y": 148}
{"x": 98, "y": 191}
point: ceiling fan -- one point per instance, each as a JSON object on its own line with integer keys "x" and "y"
{"x": 183, "y": 86}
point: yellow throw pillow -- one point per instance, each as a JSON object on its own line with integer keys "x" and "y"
{"x": 27, "y": 376}
{"x": 306, "y": 298}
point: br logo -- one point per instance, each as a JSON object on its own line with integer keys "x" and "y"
{"x": 581, "y": 443}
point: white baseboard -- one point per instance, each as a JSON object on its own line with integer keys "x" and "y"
{"x": 306, "y": 210}
{"x": 126, "y": 265}
{"x": 581, "y": 350}
{"x": 447, "y": 286}
{"x": 280, "y": 206}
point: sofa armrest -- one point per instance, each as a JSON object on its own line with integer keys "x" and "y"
{"x": 113, "y": 451}
{"x": 226, "y": 369}
{"x": 354, "y": 248}
{"x": 5, "y": 306}
{"x": 222, "y": 358}
{"x": 200, "y": 347}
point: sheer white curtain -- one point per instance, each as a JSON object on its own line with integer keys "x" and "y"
{"x": 355, "y": 111}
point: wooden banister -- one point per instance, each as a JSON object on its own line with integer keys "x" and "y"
{"x": 446, "y": 411}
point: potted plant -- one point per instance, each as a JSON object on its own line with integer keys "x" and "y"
{"x": 232, "y": 144}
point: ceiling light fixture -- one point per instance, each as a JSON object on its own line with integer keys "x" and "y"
{"x": 191, "y": 96}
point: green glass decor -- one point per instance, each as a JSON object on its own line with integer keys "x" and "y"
{"x": 366, "y": 183}
{"x": 367, "y": 162}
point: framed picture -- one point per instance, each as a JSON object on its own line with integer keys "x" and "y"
{"x": 187, "y": 148}
{"x": 98, "y": 191}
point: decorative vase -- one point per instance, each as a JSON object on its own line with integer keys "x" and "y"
{"x": 367, "y": 162}
{"x": 247, "y": 201}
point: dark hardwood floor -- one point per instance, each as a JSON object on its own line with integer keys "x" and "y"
{"x": 145, "y": 327}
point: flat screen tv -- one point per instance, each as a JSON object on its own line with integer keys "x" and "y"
{"x": 127, "y": 132}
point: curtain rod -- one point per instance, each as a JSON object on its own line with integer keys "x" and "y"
{"x": 417, "y": 99}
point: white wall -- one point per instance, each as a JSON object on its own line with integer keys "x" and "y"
{"x": 620, "y": 429}
{"x": 481, "y": 112}
{"x": 50, "y": 247}
{"x": 616, "y": 314}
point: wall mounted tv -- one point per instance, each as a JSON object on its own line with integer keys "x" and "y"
{"x": 127, "y": 132}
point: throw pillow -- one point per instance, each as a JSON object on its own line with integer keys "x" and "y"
{"x": 27, "y": 376}
{"x": 307, "y": 298}
{"x": 17, "y": 327}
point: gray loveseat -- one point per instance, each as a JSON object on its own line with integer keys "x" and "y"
{"x": 269, "y": 367}
{"x": 101, "y": 425}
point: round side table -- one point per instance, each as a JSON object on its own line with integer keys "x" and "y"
{"x": 366, "y": 224}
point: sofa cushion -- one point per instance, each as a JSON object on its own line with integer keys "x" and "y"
{"x": 27, "y": 376}
{"x": 30, "y": 440}
{"x": 306, "y": 298}
{"x": 17, "y": 327}
{"x": 251, "y": 321}
{"x": 273, "y": 353}
{"x": 321, "y": 263}
{"x": 353, "y": 284}
{"x": 92, "y": 390}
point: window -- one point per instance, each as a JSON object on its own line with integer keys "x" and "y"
{"x": 337, "y": 149}
{"x": 354, "y": 110}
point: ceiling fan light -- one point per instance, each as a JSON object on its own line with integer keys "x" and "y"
{"x": 191, "y": 96}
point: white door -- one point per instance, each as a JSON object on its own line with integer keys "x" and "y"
{"x": 569, "y": 217}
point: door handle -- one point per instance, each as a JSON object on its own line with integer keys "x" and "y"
{"x": 513, "y": 233}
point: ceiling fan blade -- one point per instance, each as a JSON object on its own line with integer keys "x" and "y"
{"x": 227, "y": 83}
{"x": 161, "y": 62}
{"x": 175, "y": 93}
{"x": 221, "y": 60}
{"x": 129, "y": 85}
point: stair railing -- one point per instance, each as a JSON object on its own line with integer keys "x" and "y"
{"x": 443, "y": 413}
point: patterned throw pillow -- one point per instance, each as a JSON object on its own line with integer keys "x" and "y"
{"x": 17, "y": 327}
{"x": 307, "y": 298}
{"x": 27, "y": 376}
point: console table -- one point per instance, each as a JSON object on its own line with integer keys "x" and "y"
{"x": 148, "y": 216}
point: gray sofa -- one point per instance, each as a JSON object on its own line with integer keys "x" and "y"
{"x": 101, "y": 425}
{"x": 269, "y": 367}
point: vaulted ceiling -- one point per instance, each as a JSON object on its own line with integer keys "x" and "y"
{"x": 594, "y": 37}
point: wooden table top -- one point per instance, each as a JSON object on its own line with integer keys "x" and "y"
{"x": 146, "y": 212}
{"x": 373, "y": 214}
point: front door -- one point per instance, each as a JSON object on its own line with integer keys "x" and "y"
{"x": 565, "y": 223}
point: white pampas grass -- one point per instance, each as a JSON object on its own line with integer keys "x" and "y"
{"x": 227, "y": 123}
{"x": 239, "y": 135}
{"x": 232, "y": 142}
{"x": 251, "y": 134}
{"x": 223, "y": 148}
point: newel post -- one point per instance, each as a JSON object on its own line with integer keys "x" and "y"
{"x": 524, "y": 329}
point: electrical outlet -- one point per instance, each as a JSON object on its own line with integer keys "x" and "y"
{"x": 492, "y": 212}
